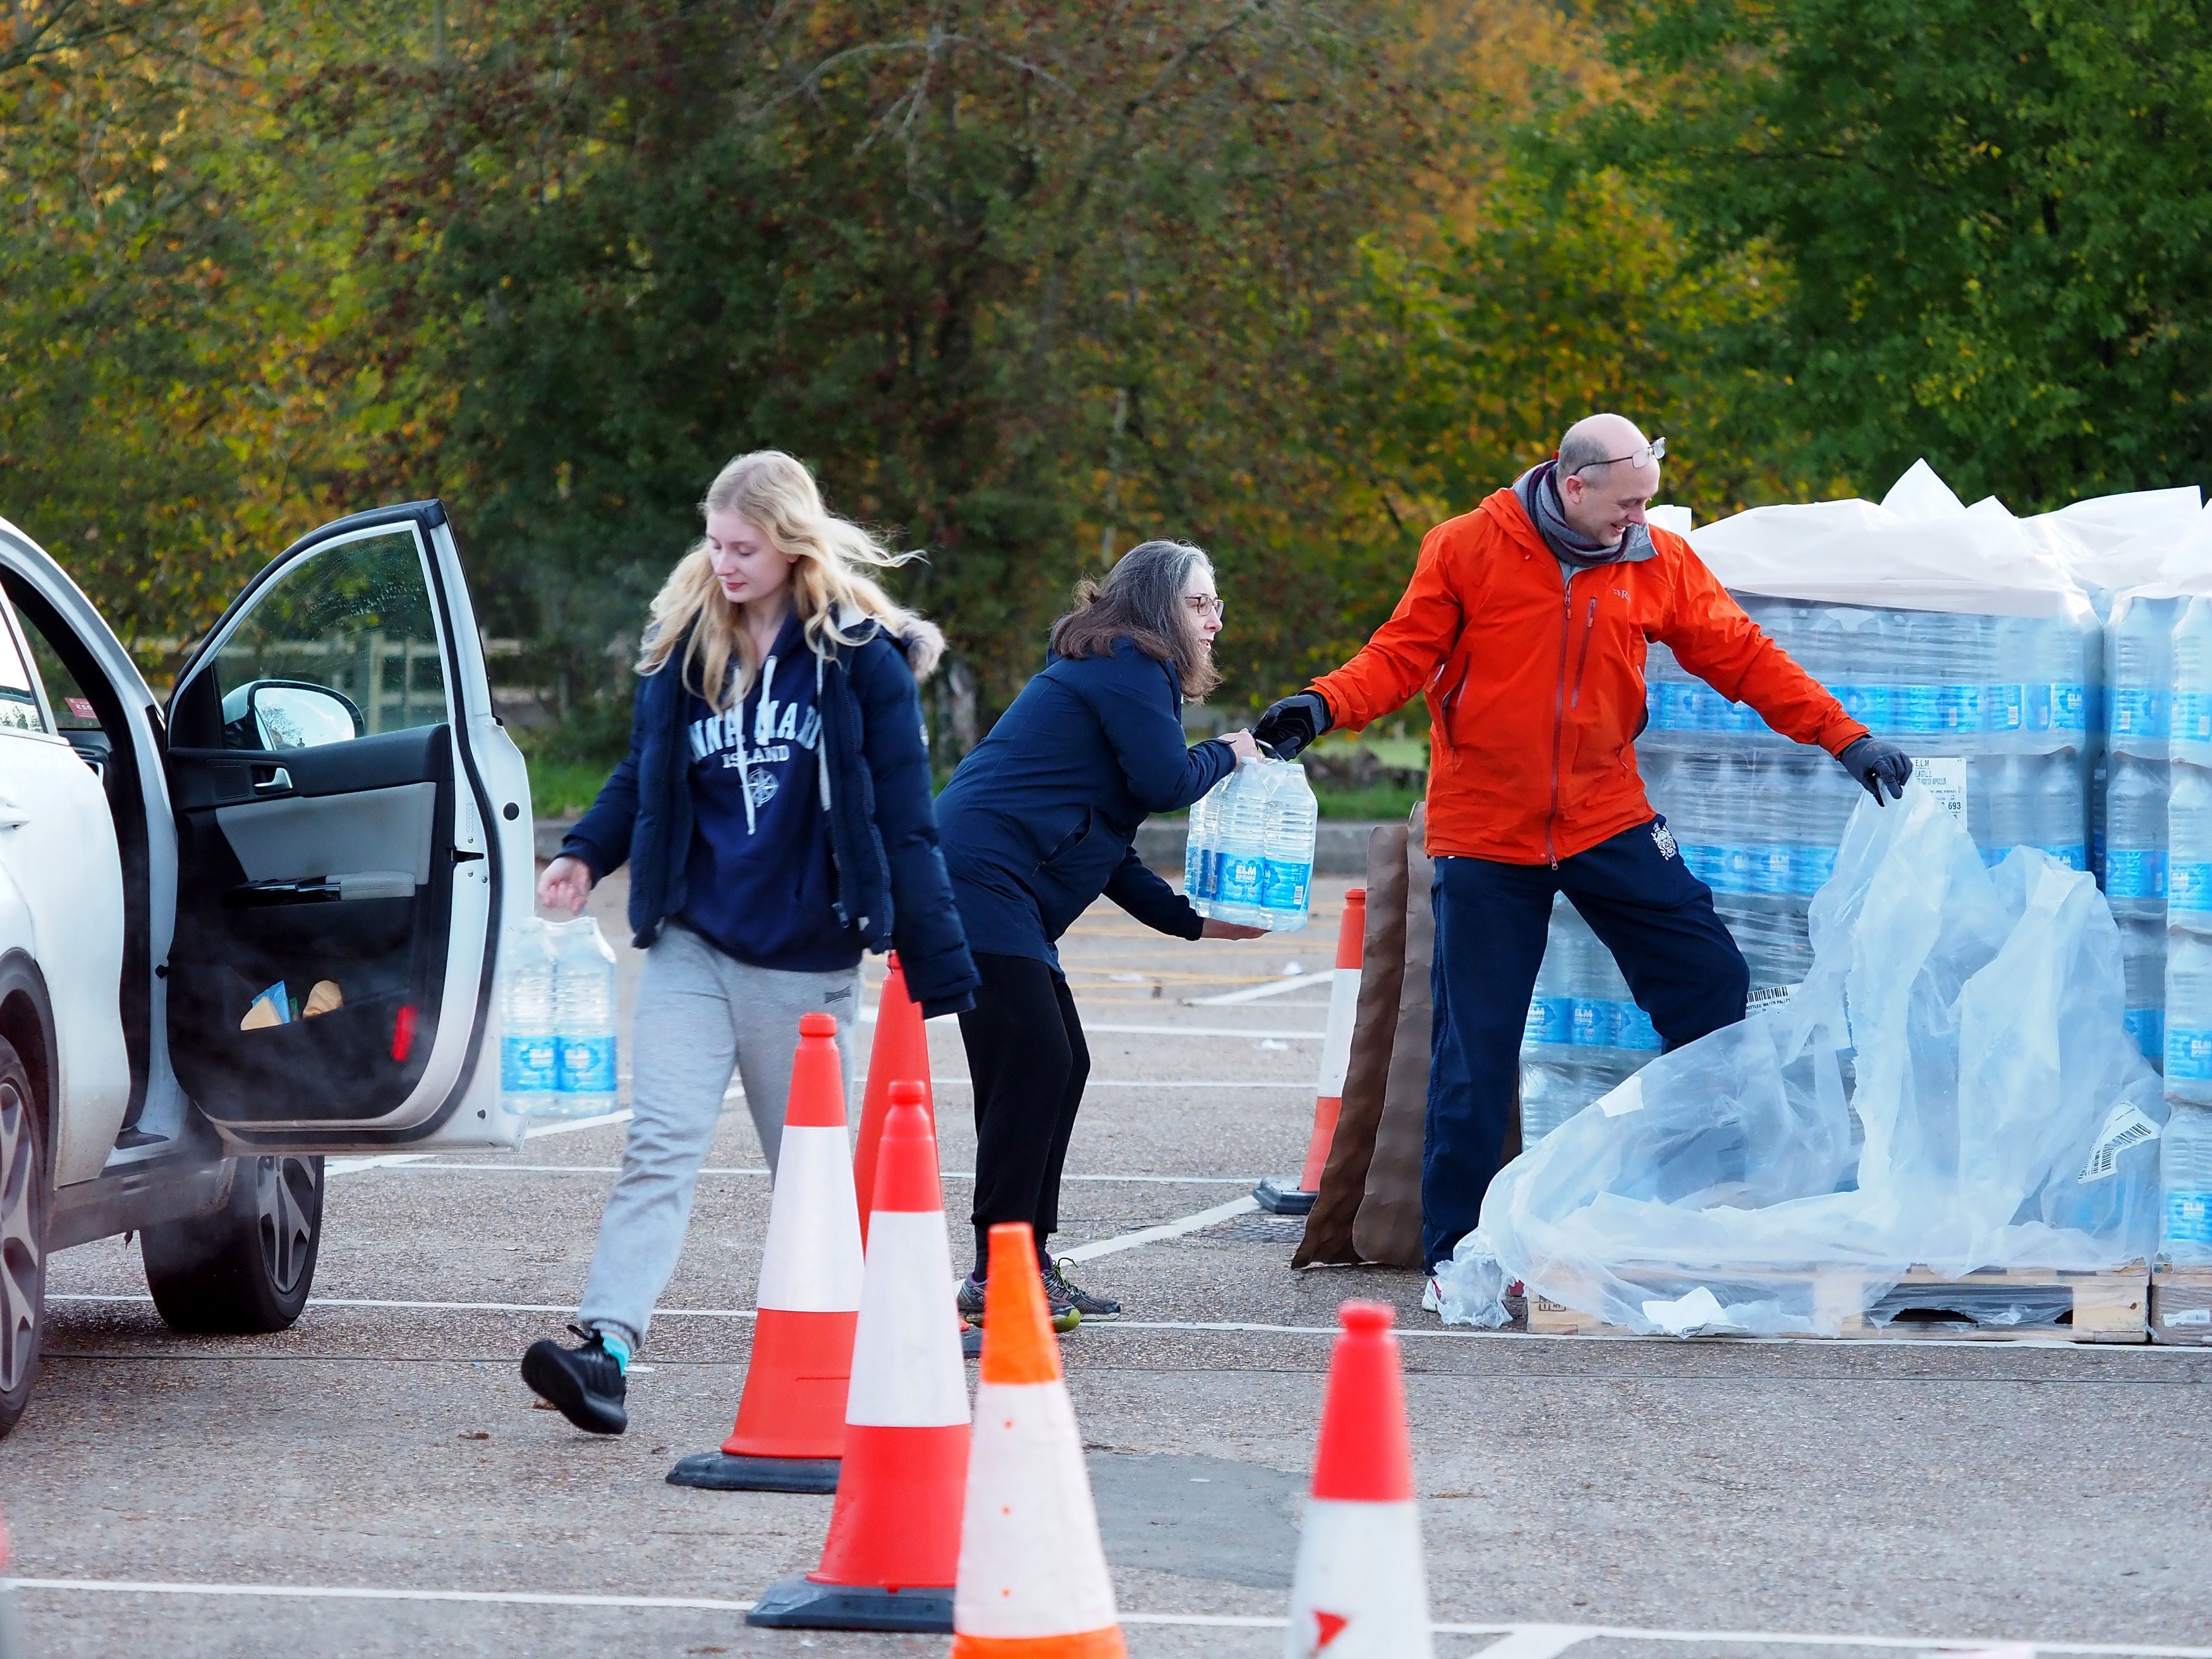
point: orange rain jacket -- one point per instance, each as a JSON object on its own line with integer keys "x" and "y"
{"x": 1535, "y": 683}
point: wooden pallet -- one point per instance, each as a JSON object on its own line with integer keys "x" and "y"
{"x": 2181, "y": 1306}
{"x": 2076, "y": 1307}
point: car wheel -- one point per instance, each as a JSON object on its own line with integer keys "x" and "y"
{"x": 23, "y": 1237}
{"x": 248, "y": 1267}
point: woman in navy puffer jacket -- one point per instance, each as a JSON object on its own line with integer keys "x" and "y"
{"x": 1039, "y": 821}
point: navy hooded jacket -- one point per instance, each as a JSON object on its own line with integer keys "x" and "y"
{"x": 1041, "y": 816}
{"x": 891, "y": 882}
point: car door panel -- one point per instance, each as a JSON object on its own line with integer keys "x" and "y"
{"x": 354, "y": 871}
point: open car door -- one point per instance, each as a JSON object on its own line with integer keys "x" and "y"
{"x": 354, "y": 830}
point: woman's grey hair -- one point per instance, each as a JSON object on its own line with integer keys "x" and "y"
{"x": 1141, "y": 600}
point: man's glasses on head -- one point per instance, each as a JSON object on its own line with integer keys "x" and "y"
{"x": 1652, "y": 451}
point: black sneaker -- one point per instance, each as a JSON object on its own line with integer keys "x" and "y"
{"x": 1066, "y": 1316}
{"x": 1089, "y": 1303}
{"x": 584, "y": 1383}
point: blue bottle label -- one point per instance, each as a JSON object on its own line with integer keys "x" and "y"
{"x": 1283, "y": 884}
{"x": 1632, "y": 1029}
{"x": 1769, "y": 868}
{"x": 2148, "y": 1027}
{"x": 1810, "y": 868}
{"x": 1551, "y": 1019}
{"x": 2135, "y": 711}
{"x": 587, "y": 1066}
{"x": 2069, "y": 707}
{"x": 1241, "y": 879}
{"x": 2189, "y": 888}
{"x": 1592, "y": 1022}
{"x": 1913, "y": 708}
{"x": 1867, "y": 704}
{"x": 2074, "y": 856}
{"x": 2007, "y": 707}
{"x": 1678, "y": 705}
{"x": 2135, "y": 873}
{"x": 2189, "y": 1217}
{"x": 1959, "y": 707}
{"x": 2192, "y": 717}
{"x": 2188, "y": 1055}
{"x": 528, "y": 1065}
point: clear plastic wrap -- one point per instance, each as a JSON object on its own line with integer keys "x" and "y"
{"x": 1951, "y": 1086}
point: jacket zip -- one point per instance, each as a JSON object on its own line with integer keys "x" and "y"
{"x": 1559, "y": 711}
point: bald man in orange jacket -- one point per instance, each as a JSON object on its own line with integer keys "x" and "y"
{"x": 1525, "y": 623}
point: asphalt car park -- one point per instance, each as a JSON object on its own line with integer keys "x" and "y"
{"x": 374, "y": 1479}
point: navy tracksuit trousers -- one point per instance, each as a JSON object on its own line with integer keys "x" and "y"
{"x": 1644, "y": 905}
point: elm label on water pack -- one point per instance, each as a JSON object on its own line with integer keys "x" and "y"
{"x": 587, "y": 1066}
{"x": 1242, "y": 880}
{"x": 1283, "y": 884}
{"x": 1944, "y": 776}
{"x": 2189, "y": 1217}
{"x": 528, "y": 1065}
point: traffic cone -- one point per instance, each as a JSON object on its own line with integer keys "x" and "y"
{"x": 1033, "y": 1581}
{"x": 899, "y": 1053}
{"x": 790, "y": 1430}
{"x": 1360, "y": 1591}
{"x": 894, "y": 1543}
{"x": 1280, "y": 1197}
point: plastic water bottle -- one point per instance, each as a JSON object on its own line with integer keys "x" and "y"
{"x": 2189, "y": 1018}
{"x": 1861, "y": 664}
{"x": 2011, "y": 666}
{"x": 1996, "y": 809}
{"x": 584, "y": 1012}
{"x": 1550, "y": 1095}
{"x": 2069, "y": 657}
{"x": 2057, "y": 819}
{"x": 1667, "y": 691}
{"x": 2135, "y": 837}
{"x": 1200, "y": 882}
{"x": 1773, "y": 781}
{"x": 1597, "y": 1011}
{"x": 2142, "y": 957}
{"x": 2189, "y": 714}
{"x": 1552, "y": 1009}
{"x": 2185, "y": 1185}
{"x": 1960, "y": 667}
{"x": 2100, "y": 789}
{"x": 2189, "y": 848}
{"x": 1287, "y": 840}
{"x": 2141, "y": 672}
{"x": 1242, "y": 861}
{"x": 1912, "y": 697}
{"x": 529, "y": 1046}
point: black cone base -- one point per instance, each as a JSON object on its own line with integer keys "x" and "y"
{"x": 798, "y": 1603}
{"x": 719, "y": 1471}
{"x": 1283, "y": 1197}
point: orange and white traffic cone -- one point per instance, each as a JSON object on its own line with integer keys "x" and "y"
{"x": 893, "y": 1544}
{"x": 899, "y": 1053}
{"x": 790, "y": 1430}
{"x": 1360, "y": 1591}
{"x": 1033, "y": 1581}
{"x": 1279, "y": 1197}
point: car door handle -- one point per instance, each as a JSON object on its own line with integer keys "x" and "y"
{"x": 12, "y": 817}
{"x": 278, "y": 778}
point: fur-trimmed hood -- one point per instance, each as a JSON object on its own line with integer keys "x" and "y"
{"x": 920, "y": 641}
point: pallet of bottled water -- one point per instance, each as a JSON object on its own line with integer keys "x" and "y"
{"x": 1248, "y": 858}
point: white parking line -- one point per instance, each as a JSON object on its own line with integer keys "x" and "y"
{"x": 1189, "y": 1224}
{"x": 1530, "y": 1641}
{"x": 1253, "y": 993}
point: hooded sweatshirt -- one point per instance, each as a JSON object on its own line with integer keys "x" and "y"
{"x": 761, "y": 881}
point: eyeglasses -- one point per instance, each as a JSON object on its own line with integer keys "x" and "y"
{"x": 1206, "y": 604}
{"x": 1654, "y": 451}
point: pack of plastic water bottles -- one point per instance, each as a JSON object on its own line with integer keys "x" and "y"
{"x": 557, "y": 1017}
{"x": 1248, "y": 856}
{"x": 1953, "y": 632}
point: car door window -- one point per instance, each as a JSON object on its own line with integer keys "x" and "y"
{"x": 342, "y": 644}
{"x": 19, "y": 694}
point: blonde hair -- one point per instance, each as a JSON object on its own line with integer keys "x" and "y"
{"x": 835, "y": 597}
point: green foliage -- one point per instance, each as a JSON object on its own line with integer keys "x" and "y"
{"x": 1995, "y": 217}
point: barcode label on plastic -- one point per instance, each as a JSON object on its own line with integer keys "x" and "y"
{"x": 2125, "y": 1126}
{"x": 1769, "y": 996}
{"x": 1944, "y": 777}
{"x": 2189, "y": 1316}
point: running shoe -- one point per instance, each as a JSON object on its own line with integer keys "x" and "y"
{"x": 1066, "y": 1315}
{"x": 1059, "y": 1288}
{"x": 584, "y": 1383}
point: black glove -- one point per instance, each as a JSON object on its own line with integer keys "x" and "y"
{"x": 1290, "y": 725}
{"x": 1876, "y": 763}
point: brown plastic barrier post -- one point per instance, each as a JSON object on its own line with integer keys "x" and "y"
{"x": 1388, "y": 1229}
{"x": 1382, "y": 971}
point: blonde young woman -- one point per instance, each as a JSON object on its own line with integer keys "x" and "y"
{"x": 775, "y": 813}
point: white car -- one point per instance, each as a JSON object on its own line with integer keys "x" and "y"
{"x": 256, "y": 928}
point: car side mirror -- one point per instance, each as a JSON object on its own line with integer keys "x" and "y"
{"x": 268, "y": 714}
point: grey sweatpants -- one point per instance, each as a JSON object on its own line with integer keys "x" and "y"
{"x": 700, "y": 1014}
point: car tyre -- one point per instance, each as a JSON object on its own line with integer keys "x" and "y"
{"x": 247, "y": 1267}
{"x": 24, "y": 1204}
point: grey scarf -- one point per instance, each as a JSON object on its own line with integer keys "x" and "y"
{"x": 1539, "y": 490}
